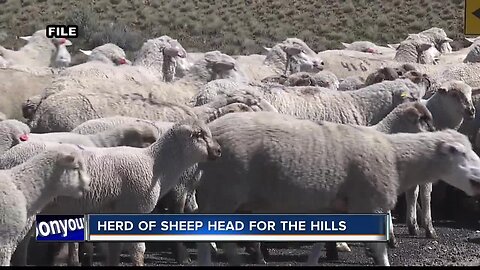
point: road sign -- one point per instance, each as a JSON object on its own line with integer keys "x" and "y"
{"x": 472, "y": 17}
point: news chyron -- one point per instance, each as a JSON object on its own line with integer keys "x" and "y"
{"x": 60, "y": 228}
{"x": 62, "y": 31}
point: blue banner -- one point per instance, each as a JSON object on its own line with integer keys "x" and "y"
{"x": 60, "y": 228}
{"x": 238, "y": 227}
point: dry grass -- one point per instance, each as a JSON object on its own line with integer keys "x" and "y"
{"x": 234, "y": 26}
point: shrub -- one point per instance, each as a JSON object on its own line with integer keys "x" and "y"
{"x": 86, "y": 20}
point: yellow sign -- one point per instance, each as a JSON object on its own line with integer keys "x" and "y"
{"x": 472, "y": 17}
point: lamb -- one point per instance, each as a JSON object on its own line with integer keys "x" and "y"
{"x": 162, "y": 54}
{"x": 189, "y": 139}
{"x": 283, "y": 143}
{"x": 302, "y": 58}
{"x": 55, "y": 172}
{"x": 61, "y": 58}
{"x": 60, "y": 112}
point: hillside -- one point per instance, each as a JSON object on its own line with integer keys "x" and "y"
{"x": 232, "y": 26}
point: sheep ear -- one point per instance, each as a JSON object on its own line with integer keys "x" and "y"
{"x": 393, "y": 46}
{"x": 85, "y": 52}
{"x": 267, "y": 49}
{"x": 471, "y": 40}
{"x": 26, "y": 38}
{"x": 451, "y": 148}
{"x": 345, "y": 44}
{"x": 475, "y": 91}
{"x": 442, "y": 90}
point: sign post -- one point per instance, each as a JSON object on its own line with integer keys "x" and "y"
{"x": 472, "y": 17}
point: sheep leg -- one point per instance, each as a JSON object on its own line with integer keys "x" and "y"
{"x": 179, "y": 249}
{"x": 230, "y": 249}
{"x": 6, "y": 252}
{"x": 411, "y": 197}
{"x": 425, "y": 198}
{"x": 114, "y": 252}
{"x": 314, "y": 255}
{"x": 392, "y": 242}
{"x": 19, "y": 257}
{"x": 137, "y": 253}
{"x": 73, "y": 258}
{"x": 204, "y": 254}
{"x": 379, "y": 253}
{"x": 255, "y": 250}
{"x": 86, "y": 251}
{"x": 331, "y": 251}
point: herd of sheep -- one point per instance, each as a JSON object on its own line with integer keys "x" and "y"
{"x": 291, "y": 131}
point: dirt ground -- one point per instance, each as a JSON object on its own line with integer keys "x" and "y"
{"x": 454, "y": 247}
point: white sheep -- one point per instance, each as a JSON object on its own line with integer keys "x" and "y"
{"x": 185, "y": 144}
{"x": 67, "y": 109}
{"x": 283, "y": 142}
{"x": 107, "y": 53}
{"x": 162, "y": 54}
{"x": 124, "y": 135}
{"x": 417, "y": 48}
{"x": 36, "y": 53}
{"x": 366, "y": 106}
{"x": 28, "y": 187}
{"x": 302, "y": 58}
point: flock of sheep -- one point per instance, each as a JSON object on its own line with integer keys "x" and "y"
{"x": 292, "y": 131}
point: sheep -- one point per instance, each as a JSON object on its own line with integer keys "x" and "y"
{"x": 126, "y": 79}
{"x": 36, "y": 53}
{"x": 61, "y": 58}
{"x": 108, "y": 53}
{"x": 366, "y": 106}
{"x": 410, "y": 117}
{"x": 190, "y": 139}
{"x": 362, "y": 46}
{"x": 417, "y": 49}
{"x": 28, "y": 187}
{"x": 351, "y": 83}
{"x": 162, "y": 54}
{"x": 3, "y": 116}
{"x": 439, "y": 38}
{"x": 67, "y": 109}
{"x": 283, "y": 142}
{"x": 450, "y": 105}
{"x": 473, "y": 55}
{"x": 257, "y": 67}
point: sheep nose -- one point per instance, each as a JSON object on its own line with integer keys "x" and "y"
{"x": 214, "y": 152}
{"x": 470, "y": 112}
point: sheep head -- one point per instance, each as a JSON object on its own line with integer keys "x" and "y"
{"x": 75, "y": 181}
{"x": 294, "y": 55}
{"x": 457, "y": 96}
